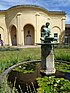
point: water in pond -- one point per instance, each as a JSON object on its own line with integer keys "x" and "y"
{"x": 67, "y": 76}
{"x": 25, "y": 76}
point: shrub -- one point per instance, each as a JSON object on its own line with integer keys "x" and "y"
{"x": 53, "y": 85}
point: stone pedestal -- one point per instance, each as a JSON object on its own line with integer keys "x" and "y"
{"x": 47, "y": 55}
{"x": 47, "y": 58}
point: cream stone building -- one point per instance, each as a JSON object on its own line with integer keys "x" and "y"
{"x": 21, "y": 25}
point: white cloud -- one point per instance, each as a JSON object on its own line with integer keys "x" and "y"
{"x": 2, "y": 7}
{"x": 45, "y": 3}
{"x": 18, "y": 1}
{"x": 9, "y": 1}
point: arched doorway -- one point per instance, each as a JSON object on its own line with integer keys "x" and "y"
{"x": 28, "y": 34}
{"x": 13, "y": 36}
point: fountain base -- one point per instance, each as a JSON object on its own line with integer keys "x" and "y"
{"x": 48, "y": 71}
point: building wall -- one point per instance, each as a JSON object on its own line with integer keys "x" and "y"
{"x": 3, "y": 29}
{"x": 67, "y": 34}
{"x": 29, "y": 18}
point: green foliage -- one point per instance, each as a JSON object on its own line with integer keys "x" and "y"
{"x": 10, "y": 56}
{"x": 63, "y": 67}
{"x": 62, "y": 54}
{"x": 4, "y": 88}
{"x": 7, "y": 87}
{"x": 62, "y": 46}
{"x": 53, "y": 85}
{"x": 6, "y": 63}
{"x": 8, "y": 49}
{"x": 26, "y": 68}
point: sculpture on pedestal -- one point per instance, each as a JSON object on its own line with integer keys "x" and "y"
{"x": 45, "y": 34}
{"x": 47, "y": 54}
{"x": 46, "y": 31}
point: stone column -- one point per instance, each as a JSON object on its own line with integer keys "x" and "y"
{"x": 19, "y": 32}
{"x": 23, "y": 36}
{"x": 63, "y": 24}
{"x": 63, "y": 30}
{"x": 9, "y": 39}
{"x": 35, "y": 37}
{"x": 37, "y": 33}
{"x": 47, "y": 57}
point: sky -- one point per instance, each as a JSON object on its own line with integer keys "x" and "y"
{"x": 50, "y": 5}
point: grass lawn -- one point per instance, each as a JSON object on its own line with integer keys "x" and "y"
{"x": 11, "y": 56}
{"x": 62, "y": 54}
